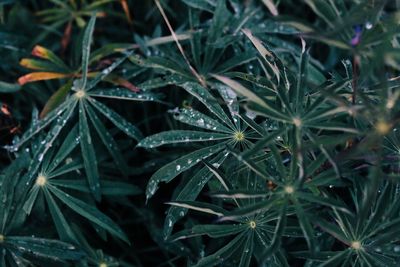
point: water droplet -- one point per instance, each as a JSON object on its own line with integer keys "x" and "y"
{"x": 216, "y": 165}
{"x": 200, "y": 122}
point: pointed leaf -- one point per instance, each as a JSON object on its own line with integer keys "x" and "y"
{"x": 195, "y": 118}
{"x": 89, "y": 212}
{"x": 88, "y": 154}
{"x": 86, "y": 42}
{"x": 108, "y": 141}
{"x": 174, "y": 168}
{"x": 208, "y": 100}
{"x": 45, "y": 248}
{"x": 117, "y": 120}
{"x": 180, "y": 136}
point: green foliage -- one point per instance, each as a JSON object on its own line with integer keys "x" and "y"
{"x": 199, "y": 133}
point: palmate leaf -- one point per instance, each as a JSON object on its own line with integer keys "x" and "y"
{"x": 245, "y": 231}
{"x": 246, "y": 226}
{"x": 223, "y": 131}
{"x": 293, "y": 153}
{"x": 26, "y": 250}
{"x": 49, "y": 183}
{"x": 67, "y": 108}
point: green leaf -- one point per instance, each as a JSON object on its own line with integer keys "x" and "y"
{"x": 30, "y": 201}
{"x": 86, "y": 42}
{"x": 222, "y": 253}
{"x": 117, "y": 120}
{"x": 298, "y": 96}
{"x": 38, "y": 126}
{"x": 305, "y": 225}
{"x": 269, "y": 110}
{"x": 63, "y": 228}
{"x": 190, "y": 192}
{"x": 108, "y": 141}
{"x": 200, "y": 4}
{"x": 123, "y": 94}
{"x": 108, "y": 188}
{"x": 243, "y": 212}
{"x": 89, "y": 212}
{"x": 56, "y": 99}
{"x": 195, "y": 118}
{"x": 44, "y": 248}
{"x": 279, "y": 231}
{"x": 104, "y": 73}
{"x": 218, "y": 231}
{"x": 247, "y": 253}
{"x": 265, "y": 54}
{"x": 336, "y": 260}
{"x": 9, "y": 87}
{"x": 326, "y": 201}
{"x": 70, "y": 142}
{"x": 208, "y": 100}
{"x": 240, "y": 89}
{"x": 180, "y": 136}
{"x": 174, "y": 168}
{"x": 88, "y": 153}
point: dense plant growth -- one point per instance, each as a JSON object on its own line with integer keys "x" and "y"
{"x": 199, "y": 133}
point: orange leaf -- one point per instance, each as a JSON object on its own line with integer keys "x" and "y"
{"x": 122, "y": 82}
{"x": 126, "y": 10}
{"x": 66, "y": 37}
{"x": 40, "y": 76}
{"x": 40, "y": 51}
{"x": 30, "y": 64}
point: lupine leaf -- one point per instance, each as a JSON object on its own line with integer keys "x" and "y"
{"x": 117, "y": 120}
{"x": 174, "y": 168}
{"x": 88, "y": 154}
{"x": 180, "y": 136}
{"x": 86, "y": 43}
{"x": 89, "y": 212}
